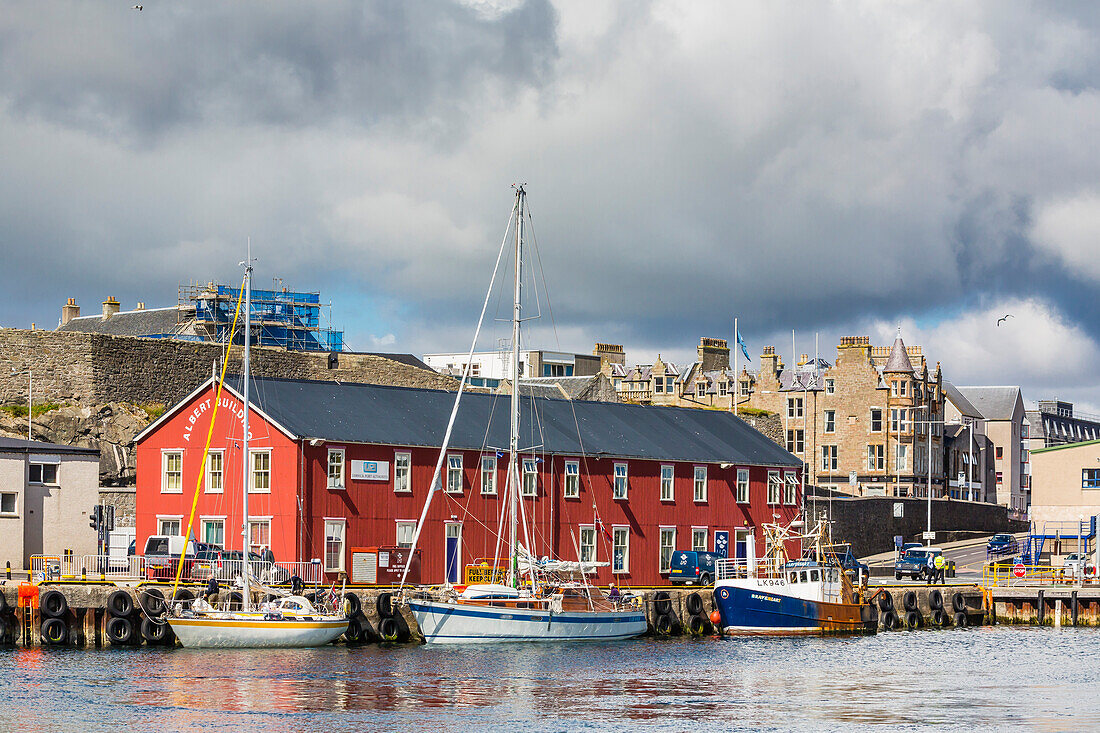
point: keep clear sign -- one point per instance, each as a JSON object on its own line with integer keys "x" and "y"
{"x": 370, "y": 470}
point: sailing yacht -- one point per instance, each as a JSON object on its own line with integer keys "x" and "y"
{"x": 289, "y": 620}
{"x": 538, "y": 600}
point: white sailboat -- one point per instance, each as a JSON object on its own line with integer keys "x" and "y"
{"x": 290, "y": 620}
{"x": 539, "y": 601}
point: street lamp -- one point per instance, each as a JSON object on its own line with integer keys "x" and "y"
{"x": 928, "y": 467}
{"x": 30, "y": 387}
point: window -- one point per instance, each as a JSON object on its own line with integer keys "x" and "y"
{"x": 1000, "y": 477}
{"x": 700, "y": 483}
{"x": 829, "y": 460}
{"x": 876, "y": 458}
{"x": 723, "y": 390}
{"x": 489, "y": 474}
{"x": 406, "y": 530}
{"x": 259, "y": 534}
{"x": 336, "y": 468}
{"x": 588, "y": 543}
{"x": 46, "y": 473}
{"x": 668, "y": 546}
{"x": 744, "y": 389}
{"x": 215, "y": 472}
{"x": 699, "y": 539}
{"x": 1090, "y": 478}
{"x": 666, "y": 483}
{"x": 572, "y": 479}
{"x": 401, "y": 464}
{"x": 830, "y": 421}
{"x": 794, "y": 407}
{"x": 172, "y": 481}
{"x": 8, "y": 503}
{"x": 454, "y": 474}
{"x": 620, "y": 549}
{"x": 830, "y": 386}
{"x": 999, "y": 452}
{"x": 169, "y": 525}
{"x": 876, "y": 420}
{"x": 742, "y": 486}
{"x": 334, "y": 545}
{"x": 530, "y": 477}
{"x": 790, "y": 488}
{"x": 261, "y": 472}
{"x": 898, "y": 422}
{"x": 901, "y": 458}
{"x": 796, "y": 441}
{"x": 773, "y": 487}
{"x": 701, "y": 389}
{"x": 619, "y": 491}
{"x": 658, "y": 384}
{"x": 902, "y": 387}
{"x": 213, "y": 531}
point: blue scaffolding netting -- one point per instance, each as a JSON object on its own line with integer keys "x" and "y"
{"x": 284, "y": 318}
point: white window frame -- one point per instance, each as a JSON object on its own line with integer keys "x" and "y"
{"x": 55, "y": 465}
{"x": 529, "y": 483}
{"x": 699, "y": 481}
{"x": 830, "y": 385}
{"x": 586, "y": 549}
{"x": 876, "y": 460}
{"x": 454, "y": 473}
{"x": 871, "y": 419}
{"x": 790, "y": 488}
{"x": 258, "y": 522}
{"x": 743, "y": 486}
{"x": 406, "y": 527}
{"x": 775, "y": 485}
{"x": 254, "y": 474}
{"x": 830, "y": 458}
{"x": 620, "y": 482}
{"x": 15, "y": 504}
{"x": 343, "y": 525}
{"x": 618, "y": 531}
{"x": 402, "y": 475}
{"x": 696, "y": 533}
{"x": 209, "y": 486}
{"x": 164, "y": 473}
{"x": 571, "y": 484}
{"x": 664, "y": 564}
{"x": 668, "y": 482}
{"x": 700, "y": 389}
{"x": 204, "y": 522}
{"x": 830, "y": 421}
{"x": 901, "y": 456}
{"x": 335, "y": 470}
{"x": 488, "y": 475}
{"x": 162, "y": 518}
{"x": 795, "y": 408}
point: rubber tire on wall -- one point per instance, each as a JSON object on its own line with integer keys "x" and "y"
{"x": 662, "y": 603}
{"x": 356, "y": 633}
{"x": 152, "y": 632}
{"x": 53, "y": 604}
{"x": 182, "y": 595}
{"x": 119, "y": 630}
{"x": 958, "y": 602}
{"x": 890, "y": 621}
{"x": 384, "y": 605}
{"x": 3, "y": 604}
{"x": 939, "y": 617}
{"x": 352, "y": 604}
{"x": 55, "y": 631}
{"x": 886, "y": 602}
{"x": 909, "y": 602}
{"x": 961, "y": 621}
{"x": 913, "y": 619}
{"x": 694, "y": 604}
{"x": 935, "y": 599}
{"x": 120, "y": 603}
{"x": 388, "y": 629}
{"x": 662, "y": 625}
{"x": 152, "y": 602}
{"x": 697, "y": 625}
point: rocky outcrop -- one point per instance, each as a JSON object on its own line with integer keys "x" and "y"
{"x": 109, "y": 428}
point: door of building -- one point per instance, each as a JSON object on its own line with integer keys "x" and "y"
{"x": 452, "y": 552}
{"x": 722, "y": 542}
{"x": 741, "y": 544}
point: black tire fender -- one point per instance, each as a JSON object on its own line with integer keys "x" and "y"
{"x": 152, "y": 602}
{"x": 384, "y": 605}
{"x": 55, "y": 631}
{"x": 889, "y": 621}
{"x": 662, "y": 603}
{"x": 909, "y": 601}
{"x": 388, "y": 629}
{"x": 235, "y": 600}
{"x": 355, "y": 633}
{"x": 153, "y": 632}
{"x": 182, "y": 595}
{"x": 697, "y": 625}
{"x": 961, "y": 621}
{"x": 54, "y": 604}
{"x": 886, "y": 602}
{"x": 694, "y": 604}
{"x": 120, "y": 604}
{"x": 935, "y": 599}
{"x": 958, "y": 602}
{"x": 662, "y": 624}
{"x": 913, "y": 619}
{"x": 119, "y": 629}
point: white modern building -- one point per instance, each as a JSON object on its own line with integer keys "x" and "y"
{"x": 489, "y": 368}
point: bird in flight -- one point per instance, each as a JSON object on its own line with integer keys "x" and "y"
{"x": 139, "y": 7}
{"x": 1005, "y": 317}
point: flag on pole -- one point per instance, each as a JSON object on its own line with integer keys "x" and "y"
{"x": 744, "y": 349}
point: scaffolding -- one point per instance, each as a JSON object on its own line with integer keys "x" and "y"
{"x": 280, "y": 317}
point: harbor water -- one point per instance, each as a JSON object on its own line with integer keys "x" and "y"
{"x": 977, "y": 678}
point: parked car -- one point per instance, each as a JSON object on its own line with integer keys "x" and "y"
{"x": 844, "y": 557}
{"x": 1075, "y": 564}
{"x": 1002, "y": 544}
{"x": 163, "y": 553}
{"x": 914, "y": 562}
{"x": 692, "y": 567}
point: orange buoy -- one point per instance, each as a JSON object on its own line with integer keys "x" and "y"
{"x": 715, "y": 617}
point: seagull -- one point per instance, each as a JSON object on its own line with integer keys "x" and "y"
{"x": 139, "y": 7}
{"x": 1005, "y": 317}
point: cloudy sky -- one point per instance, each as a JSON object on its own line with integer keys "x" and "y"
{"x": 836, "y": 168}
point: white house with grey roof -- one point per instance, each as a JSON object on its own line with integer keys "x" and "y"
{"x": 1004, "y": 421}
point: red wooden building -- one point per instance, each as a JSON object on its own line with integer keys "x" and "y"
{"x": 335, "y": 467}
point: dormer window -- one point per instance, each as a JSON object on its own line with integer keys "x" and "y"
{"x": 701, "y": 389}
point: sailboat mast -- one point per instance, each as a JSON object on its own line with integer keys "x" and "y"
{"x": 513, "y": 436}
{"x": 246, "y": 597}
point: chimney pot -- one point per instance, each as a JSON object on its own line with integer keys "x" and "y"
{"x": 69, "y": 311}
{"x": 110, "y": 307}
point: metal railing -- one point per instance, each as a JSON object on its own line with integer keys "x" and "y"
{"x": 1007, "y": 575}
{"x": 163, "y": 567}
{"x": 111, "y": 567}
{"x": 728, "y": 568}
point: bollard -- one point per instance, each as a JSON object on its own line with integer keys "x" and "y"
{"x": 83, "y": 574}
{"x": 1058, "y": 613}
{"x": 9, "y": 570}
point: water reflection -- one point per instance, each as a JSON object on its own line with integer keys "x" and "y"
{"x": 989, "y": 677}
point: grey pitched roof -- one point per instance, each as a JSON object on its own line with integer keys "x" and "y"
{"x": 570, "y": 387}
{"x": 899, "y": 359}
{"x": 18, "y": 445}
{"x": 994, "y": 403}
{"x": 959, "y": 401}
{"x": 365, "y": 413}
{"x": 149, "y": 322}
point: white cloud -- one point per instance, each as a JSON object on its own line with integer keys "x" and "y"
{"x": 380, "y": 342}
{"x": 1069, "y": 229}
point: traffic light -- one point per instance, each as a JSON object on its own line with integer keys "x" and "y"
{"x": 97, "y": 517}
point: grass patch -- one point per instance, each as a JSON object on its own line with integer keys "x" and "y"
{"x": 753, "y": 412}
{"x": 153, "y": 410}
{"x": 37, "y": 411}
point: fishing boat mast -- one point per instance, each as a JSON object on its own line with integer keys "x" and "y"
{"x": 513, "y": 437}
{"x": 246, "y": 596}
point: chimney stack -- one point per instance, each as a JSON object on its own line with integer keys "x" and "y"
{"x": 609, "y": 354}
{"x": 769, "y": 361}
{"x": 714, "y": 354}
{"x": 110, "y": 307}
{"x": 69, "y": 311}
{"x": 140, "y": 306}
